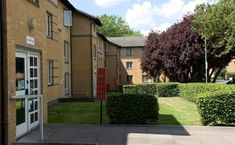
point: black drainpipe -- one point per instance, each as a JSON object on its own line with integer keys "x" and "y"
{"x": 2, "y": 138}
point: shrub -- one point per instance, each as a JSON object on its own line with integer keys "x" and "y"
{"x": 160, "y": 89}
{"x": 191, "y": 90}
{"x": 131, "y": 108}
{"x": 140, "y": 89}
{"x": 217, "y": 108}
{"x": 167, "y": 90}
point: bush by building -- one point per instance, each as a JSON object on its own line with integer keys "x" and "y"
{"x": 132, "y": 108}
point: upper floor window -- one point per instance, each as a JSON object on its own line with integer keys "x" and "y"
{"x": 49, "y": 24}
{"x": 129, "y": 52}
{"x": 67, "y": 18}
{"x": 35, "y": 2}
{"x": 66, "y": 52}
{"x": 142, "y": 49}
{"x": 119, "y": 52}
{"x": 128, "y": 65}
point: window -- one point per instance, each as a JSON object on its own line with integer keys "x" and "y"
{"x": 49, "y": 25}
{"x": 128, "y": 65}
{"x": 119, "y": 52}
{"x": 142, "y": 50}
{"x": 67, "y": 18}
{"x": 35, "y": 2}
{"x": 144, "y": 78}
{"x": 66, "y": 52}
{"x": 129, "y": 79}
{"x": 66, "y": 83}
{"x": 128, "y": 52}
{"x": 50, "y": 72}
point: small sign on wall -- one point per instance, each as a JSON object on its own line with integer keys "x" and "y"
{"x": 30, "y": 40}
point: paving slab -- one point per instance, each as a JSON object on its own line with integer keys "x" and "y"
{"x": 130, "y": 135}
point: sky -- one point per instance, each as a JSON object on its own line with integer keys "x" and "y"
{"x": 142, "y": 15}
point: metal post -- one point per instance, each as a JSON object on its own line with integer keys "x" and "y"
{"x": 101, "y": 112}
{"x": 41, "y": 119}
{"x": 206, "y": 62}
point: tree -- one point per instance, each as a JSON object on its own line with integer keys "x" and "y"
{"x": 115, "y": 26}
{"x": 177, "y": 53}
{"x": 216, "y": 23}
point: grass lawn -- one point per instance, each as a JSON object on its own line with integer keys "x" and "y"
{"x": 177, "y": 111}
{"x": 77, "y": 113}
{"x": 173, "y": 111}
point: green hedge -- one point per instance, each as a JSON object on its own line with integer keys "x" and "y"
{"x": 132, "y": 108}
{"x": 140, "y": 89}
{"x": 190, "y": 91}
{"x": 160, "y": 89}
{"x": 217, "y": 108}
{"x": 167, "y": 89}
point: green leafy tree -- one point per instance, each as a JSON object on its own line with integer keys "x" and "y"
{"x": 115, "y": 26}
{"x": 216, "y": 23}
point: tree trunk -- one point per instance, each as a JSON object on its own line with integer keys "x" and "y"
{"x": 216, "y": 74}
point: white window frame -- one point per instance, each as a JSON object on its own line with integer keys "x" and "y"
{"x": 66, "y": 83}
{"x": 66, "y": 52}
{"x": 68, "y": 18}
{"x": 49, "y": 24}
{"x": 50, "y": 72}
{"x": 129, "y": 65}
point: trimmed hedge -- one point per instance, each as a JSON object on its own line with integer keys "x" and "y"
{"x": 160, "y": 89}
{"x": 140, "y": 89}
{"x": 190, "y": 91}
{"x": 132, "y": 108}
{"x": 167, "y": 90}
{"x": 217, "y": 108}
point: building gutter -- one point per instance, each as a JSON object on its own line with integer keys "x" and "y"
{"x": 2, "y": 113}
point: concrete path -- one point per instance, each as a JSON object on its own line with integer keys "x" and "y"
{"x": 133, "y": 135}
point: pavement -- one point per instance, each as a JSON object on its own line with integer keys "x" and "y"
{"x": 131, "y": 135}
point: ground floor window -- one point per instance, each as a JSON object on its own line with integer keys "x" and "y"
{"x": 129, "y": 79}
{"x": 50, "y": 72}
{"x": 144, "y": 78}
{"x": 66, "y": 83}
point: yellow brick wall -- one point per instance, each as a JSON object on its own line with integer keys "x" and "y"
{"x": 231, "y": 66}
{"x": 17, "y": 29}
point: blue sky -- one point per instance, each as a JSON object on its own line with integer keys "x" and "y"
{"x": 142, "y": 15}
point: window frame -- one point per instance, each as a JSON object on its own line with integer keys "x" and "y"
{"x": 66, "y": 52}
{"x": 128, "y": 80}
{"x": 66, "y": 83}
{"x": 49, "y": 26}
{"x": 50, "y": 80}
{"x": 68, "y": 20}
{"x": 36, "y": 3}
{"x": 128, "y": 51}
{"x": 129, "y": 65}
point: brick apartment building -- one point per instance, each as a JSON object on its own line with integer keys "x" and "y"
{"x": 130, "y": 53}
{"x": 36, "y": 61}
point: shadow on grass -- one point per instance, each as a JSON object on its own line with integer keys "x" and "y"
{"x": 165, "y": 119}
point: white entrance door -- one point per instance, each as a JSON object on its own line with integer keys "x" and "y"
{"x": 34, "y": 89}
{"x": 21, "y": 87}
{"x": 27, "y": 83}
